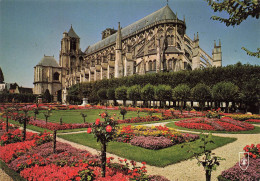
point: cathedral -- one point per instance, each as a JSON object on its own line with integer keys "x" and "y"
{"x": 155, "y": 43}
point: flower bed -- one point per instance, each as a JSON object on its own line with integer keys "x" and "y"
{"x": 223, "y": 124}
{"x": 243, "y": 117}
{"x": 253, "y": 170}
{"x": 56, "y": 126}
{"x": 253, "y": 120}
{"x": 36, "y": 161}
{"x": 155, "y": 137}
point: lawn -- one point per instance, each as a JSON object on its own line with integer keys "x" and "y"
{"x": 254, "y": 131}
{"x": 158, "y": 158}
{"x": 73, "y": 116}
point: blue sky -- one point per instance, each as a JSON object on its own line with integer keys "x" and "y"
{"x": 29, "y": 29}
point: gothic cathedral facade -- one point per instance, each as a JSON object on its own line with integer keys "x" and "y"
{"x": 156, "y": 43}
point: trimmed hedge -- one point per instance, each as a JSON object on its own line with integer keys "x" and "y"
{"x": 246, "y": 77}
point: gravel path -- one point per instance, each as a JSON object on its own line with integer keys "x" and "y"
{"x": 4, "y": 176}
{"x": 185, "y": 170}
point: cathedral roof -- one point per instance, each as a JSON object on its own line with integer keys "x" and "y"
{"x": 48, "y": 61}
{"x": 161, "y": 14}
{"x": 72, "y": 33}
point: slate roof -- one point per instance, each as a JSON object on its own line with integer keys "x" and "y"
{"x": 72, "y": 33}
{"x": 48, "y": 61}
{"x": 161, "y": 14}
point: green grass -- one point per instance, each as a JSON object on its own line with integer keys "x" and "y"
{"x": 15, "y": 176}
{"x": 254, "y": 131}
{"x": 73, "y": 116}
{"x": 158, "y": 158}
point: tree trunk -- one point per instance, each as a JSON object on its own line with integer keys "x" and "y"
{"x": 24, "y": 130}
{"x": 103, "y": 158}
{"x": 208, "y": 175}
{"x": 7, "y": 123}
{"x": 54, "y": 141}
{"x": 227, "y": 104}
{"x": 124, "y": 102}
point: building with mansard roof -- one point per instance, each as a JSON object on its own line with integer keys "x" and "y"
{"x": 155, "y": 43}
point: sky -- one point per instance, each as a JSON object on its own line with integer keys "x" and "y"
{"x": 30, "y": 29}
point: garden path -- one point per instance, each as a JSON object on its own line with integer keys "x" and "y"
{"x": 4, "y": 176}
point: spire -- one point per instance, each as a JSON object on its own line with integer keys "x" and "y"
{"x": 119, "y": 38}
{"x": 194, "y": 37}
{"x": 184, "y": 18}
{"x": 197, "y": 35}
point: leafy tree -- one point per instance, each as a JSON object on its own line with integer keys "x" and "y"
{"x": 163, "y": 93}
{"x": 2, "y": 79}
{"x": 121, "y": 94}
{"x": 250, "y": 94}
{"x": 238, "y": 10}
{"x": 134, "y": 93}
{"x": 102, "y": 94}
{"x": 201, "y": 93}
{"x": 111, "y": 95}
{"x": 147, "y": 93}
{"x": 225, "y": 92}
{"x": 181, "y": 93}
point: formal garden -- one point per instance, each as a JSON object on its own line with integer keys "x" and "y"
{"x": 133, "y": 134}
{"x": 165, "y": 126}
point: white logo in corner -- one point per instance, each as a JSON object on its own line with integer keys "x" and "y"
{"x": 243, "y": 160}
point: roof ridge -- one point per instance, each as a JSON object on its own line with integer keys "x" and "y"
{"x": 161, "y": 14}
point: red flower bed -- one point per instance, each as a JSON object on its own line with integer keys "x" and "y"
{"x": 223, "y": 124}
{"x": 253, "y": 120}
{"x": 56, "y": 126}
{"x": 36, "y": 161}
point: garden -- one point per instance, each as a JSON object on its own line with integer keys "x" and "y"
{"x": 128, "y": 132}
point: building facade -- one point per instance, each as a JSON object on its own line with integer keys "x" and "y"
{"x": 156, "y": 43}
{"x": 47, "y": 75}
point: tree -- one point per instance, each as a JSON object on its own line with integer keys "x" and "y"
{"x": 134, "y": 93}
{"x": 204, "y": 156}
{"x": 201, "y": 93}
{"x": 147, "y": 93}
{"x": 181, "y": 93}
{"x": 121, "y": 94}
{"x": 238, "y": 12}
{"x": 226, "y": 92}
{"x": 163, "y": 93}
{"x": 104, "y": 132}
{"x": 2, "y": 79}
{"x": 111, "y": 95}
{"x": 102, "y": 94}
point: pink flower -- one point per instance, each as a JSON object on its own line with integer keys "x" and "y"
{"x": 97, "y": 121}
{"x": 89, "y": 130}
{"x": 108, "y": 128}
